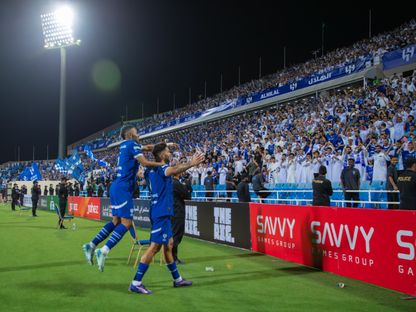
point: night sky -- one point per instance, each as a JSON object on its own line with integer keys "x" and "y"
{"x": 160, "y": 48}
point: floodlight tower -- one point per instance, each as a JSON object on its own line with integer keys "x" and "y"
{"x": 58, "y": 34}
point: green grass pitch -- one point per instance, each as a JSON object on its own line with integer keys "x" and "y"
{"x": 43, "y": 269}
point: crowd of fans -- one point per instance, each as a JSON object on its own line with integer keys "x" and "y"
{"x": 287, "y": 143}
{"x": 374, "y": 47}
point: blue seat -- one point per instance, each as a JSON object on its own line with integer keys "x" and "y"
{"x": 67, "y": 217}
{"x": 365, "y": 185}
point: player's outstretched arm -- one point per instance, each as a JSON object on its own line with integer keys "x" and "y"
{"x": 197, "y": 159}
{"x": 149, "y": 147}
{"x": 148, "y": 163}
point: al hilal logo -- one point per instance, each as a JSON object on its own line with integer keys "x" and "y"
{"x": 408, "y": 53}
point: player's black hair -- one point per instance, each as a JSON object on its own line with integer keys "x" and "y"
{"x": 322, "y": 170}
{"x": 410, "y": 162}
{"x": 157, "y": 149}
{"x": 124, "y": 130}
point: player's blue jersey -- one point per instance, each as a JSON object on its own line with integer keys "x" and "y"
{"x": 127, "y": 165}
{"x": 161, "y": 189}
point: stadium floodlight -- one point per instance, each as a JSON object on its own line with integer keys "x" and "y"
{"x": 57, "y": 28}
{"x": 58, "y": 34}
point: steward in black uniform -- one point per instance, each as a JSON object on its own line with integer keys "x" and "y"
{"x": 350, "y": 180}
{"x": 406, "y": 183}
{"x": 180, "y": 193}
{"x": 51, "y": 190}
{"x": 23, "y": 192}
{"x": 70, "y": 189}
{"x": 45, "y": 191}
{"x": 15, "y": 196}
{"x": 243, "y": 190}
{"x": 76, "y": 190}
{"x": 63, "y": 200}
{"x": 36, "y": 192}
{"x": 322, "y": 189}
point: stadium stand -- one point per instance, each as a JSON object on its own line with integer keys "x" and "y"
{"x": 299, "y": 134}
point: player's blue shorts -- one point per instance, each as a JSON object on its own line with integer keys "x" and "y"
{"x": 161, "y": 231}
{"x": 121, "y": 202}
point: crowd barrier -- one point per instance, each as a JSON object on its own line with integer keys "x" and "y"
{"x": 47, "y": 202}
{"x": 374, "y": 246}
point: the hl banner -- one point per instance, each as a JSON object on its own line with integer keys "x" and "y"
{"x": 225, "y": 223}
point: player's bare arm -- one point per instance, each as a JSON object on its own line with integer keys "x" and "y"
{"x": 197, "y": 159}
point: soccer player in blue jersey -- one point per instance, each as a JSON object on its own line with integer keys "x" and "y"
{"x": 161, "y": 211}
{"x": 121, "y": 195}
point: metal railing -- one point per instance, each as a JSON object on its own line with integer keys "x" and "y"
{"x": 283, "y": 196}
{"x": 276, "y": 197}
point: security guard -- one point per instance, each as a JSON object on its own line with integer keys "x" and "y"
{"x": 63, "y": 200}
{"x": 15, "y": 196}
{"x": 322, "y": 189}
{"x": 406, "y": 183}
{"x": 180, "y": 193}
{"x": 36, "y": 192}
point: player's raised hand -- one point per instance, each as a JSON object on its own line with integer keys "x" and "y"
{"x": 197, "y": 159}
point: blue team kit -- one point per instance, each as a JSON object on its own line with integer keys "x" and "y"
{"x": 161, "y": 207}
{"x": 121, "y": 191}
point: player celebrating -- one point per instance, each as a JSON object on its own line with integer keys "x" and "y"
{"x": 161, "y": 211}
{"x": 121, "y": 195}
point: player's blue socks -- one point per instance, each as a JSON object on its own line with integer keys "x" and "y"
{"x": 174, "y": 271}
{"x": 103, "y": 234}
{"x": 141, "y": 270}
{"x": 116, "y": 236}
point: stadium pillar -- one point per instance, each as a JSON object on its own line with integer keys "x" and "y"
{"x": 221, "y": 83}
{"x": 259, "y": 67}
{"x": 205, "y": 89}
{"x": 62, "y": 108}
{"x": 369, "y": 24}
{"x": 174, "y": 101}
{"x": 323, "y": 37}
{"x": 190, "y": 96}
{"x": 157, "y": 106}
{"x": 239, "y": 75}
{"x": 284, "y": 57}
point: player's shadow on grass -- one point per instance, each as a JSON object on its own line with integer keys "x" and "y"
{"x": 223, "y": 257}
{"x": 39, "y": 266}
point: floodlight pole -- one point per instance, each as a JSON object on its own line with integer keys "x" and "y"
{"x": 62, "y": 107}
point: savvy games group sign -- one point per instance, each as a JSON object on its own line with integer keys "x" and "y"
{"x": 374, "y": 246}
